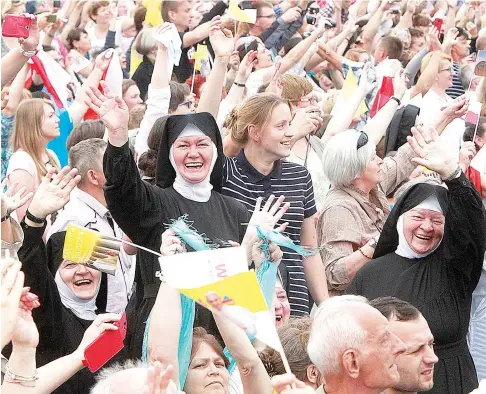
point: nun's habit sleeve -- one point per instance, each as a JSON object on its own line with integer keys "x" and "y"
{"x": 33, "y": 255}
{"x": 466, "y": 224}
{"x": 132, "y": 202}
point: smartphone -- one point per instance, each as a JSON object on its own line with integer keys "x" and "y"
{"x": 52, "y": 18}
{"x": 56, "y": 4}
{"x": 16, "y": 26}
{"x": 438, "y": 25}
{"x": 106, "y": 346}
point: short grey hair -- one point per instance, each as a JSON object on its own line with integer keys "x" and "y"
{"x": 103, "y": 384}
{"x": 341, "y": 159}
{"x": 466, "y": 73}
{"x": 87, "y": 155}
{"x": 145, "y": 41}
{"x": 335, "y": 329}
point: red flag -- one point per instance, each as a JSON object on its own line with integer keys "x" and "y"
{"x": 383, "y": 96}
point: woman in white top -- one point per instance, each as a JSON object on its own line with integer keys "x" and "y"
{"x": 36, "y": 124}
{"x": 79, "y": 45}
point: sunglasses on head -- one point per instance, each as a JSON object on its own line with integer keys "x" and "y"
{"x": 362, "y": 140}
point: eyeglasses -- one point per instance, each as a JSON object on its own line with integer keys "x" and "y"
{"x": 267, "y": 16}
{"x": 188, "y": 103}
{"x": 450, "y": 69}
{"x": 309, "y": 99}
{"x": 362, "y": 140}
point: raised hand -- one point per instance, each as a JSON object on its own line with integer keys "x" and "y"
{"x": 162, "y": 30}
{"x": 258, "y": 256}
{"x": 269, "y": 215}
{"x": 102, "y": 61}
{"x": 365, "y": 85}
{"x": 431, "y": 151}
{"x": 32, "y": 42}
{"x": 235, "y": 61}
{"x": 171, "y": 244}
{"x": 13, "y": 198}
{"x": 26, "y": 334}
{"x": 158, "y": 380}
{"x": 399, "y": 84}
{"x": 112, "y": 110}
{"x": 457, "y": 108}
{"x": 101, "y": 323}
{"x": 289, "y": 384}
{"x": 54, "y": 192}
{"x": 306, "y": 121}
{"x": 433, "y": 39}
{"x": 467, "y": 153}
{"x": 11, "y": 287}
{"x": 276, "y": 86}
{"x": 221, "y": 39}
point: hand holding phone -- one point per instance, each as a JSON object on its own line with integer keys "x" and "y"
{"x": 106, "y": 346}
{"x": 16, "y": 26}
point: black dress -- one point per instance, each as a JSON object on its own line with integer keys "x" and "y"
{"x": 60, "y": 330}
{"x": 142, "y": 211}
{"x": 440, "y": 285}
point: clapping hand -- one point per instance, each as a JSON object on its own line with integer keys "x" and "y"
{"x": 112, "y": 110}
{"x": 289, "y": 384}
{"x": 246, "y": 66}
{"x": 26, "y": 334}
{"x": 54, "y": 192}
{"x": 12, "y": 286}
{"x": 158, "y": 380}
{"x": 13, "y": 198}
{"x": 431, "y": 151}
{"x": 221, "y": 39}
{"x": 457, "y": 108}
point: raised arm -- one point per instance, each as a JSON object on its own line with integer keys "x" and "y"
{"x": 13, "y": 61}
{"x": 222, "y": 42}
{"x": 166, "y": 318}
{"x": 371, "y": 28}
{"x": 253, "y": 374}
{"x": 158, "y": 97}
{"x": 79, "y": 107}
{"x": 15, "y": 92}
{"x": 194, "y": 36}
{"x": 377, "y": 126}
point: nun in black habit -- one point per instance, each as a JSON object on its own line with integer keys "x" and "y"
{"x": 430, "y": 254}
{"x": 142, "y": 210}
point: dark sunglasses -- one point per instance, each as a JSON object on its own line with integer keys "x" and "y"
{"x": 362, "y": 140}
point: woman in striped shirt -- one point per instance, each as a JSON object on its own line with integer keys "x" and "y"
{"x": 261, "y": 126}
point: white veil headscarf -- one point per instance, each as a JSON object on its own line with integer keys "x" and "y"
{"x": 431, "y": 203}
{"x": 199, "y": 192}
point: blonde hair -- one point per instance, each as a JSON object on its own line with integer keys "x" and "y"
{"x": 295, "y": 87}
{"x": 426, "y": 60}
{"x": 257, "y": 110}
{"x": 27, "y": 133}
{"x": 329, "y": 101}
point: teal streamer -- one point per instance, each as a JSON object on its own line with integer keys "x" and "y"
{"x": 196, "y": 241}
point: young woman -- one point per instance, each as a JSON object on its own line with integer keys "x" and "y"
{"x": 36, "y": 124}
{"x": 131, "y": 94}
{"x": 261, "y": 126}
{"x": 67, "y": 291}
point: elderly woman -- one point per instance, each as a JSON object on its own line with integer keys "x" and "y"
{"x": 360, "y": 183}
{"x": 430, "y": 253}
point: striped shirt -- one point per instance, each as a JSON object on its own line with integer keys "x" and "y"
{"x": 243, "y": 182}
{"x": 456, "y": 89}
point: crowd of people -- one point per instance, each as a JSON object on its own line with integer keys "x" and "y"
{"x": 353, "y": 127}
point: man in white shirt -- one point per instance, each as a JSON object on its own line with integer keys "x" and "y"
{"x": 87, "y": 208}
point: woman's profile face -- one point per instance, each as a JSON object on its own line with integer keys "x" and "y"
{"x": 81, "y": 280}
{"x": 192, "y": 157}
{"x": 132, "y": 97}
{"x": 275, "y": 137}
{"x": 187, "y": 106}
{"x": 423, "y": 229}
{"x": 207, "y": 373}
{"x": 50, "y": 123}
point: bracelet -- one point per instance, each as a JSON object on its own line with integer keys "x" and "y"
{"x": 26, "y": 381}
{"x": 454, "y": 175}
{"x": 368, "y": 257}
{"x": 28, "y": 54}
{"x": 396, "y": 99}
{"x": 34, "y": 219}
{"x": 241, "y": 85}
